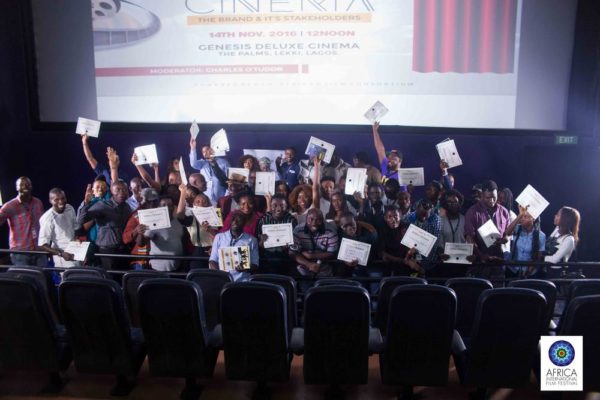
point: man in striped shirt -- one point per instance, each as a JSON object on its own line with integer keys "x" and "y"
{"x": 23, "y": 215}
{"x": 315, "y": 242}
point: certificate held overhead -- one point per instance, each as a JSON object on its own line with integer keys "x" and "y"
{"x": 88, "y": 127}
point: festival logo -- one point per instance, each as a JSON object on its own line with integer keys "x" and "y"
{"x": 561, "y": 363}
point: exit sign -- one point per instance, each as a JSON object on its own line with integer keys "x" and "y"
{"x": 561, "y": 139}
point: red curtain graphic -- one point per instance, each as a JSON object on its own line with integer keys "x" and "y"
{"x": 464, "y": 35}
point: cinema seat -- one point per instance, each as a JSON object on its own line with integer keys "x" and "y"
{"x": 549, "y": 291}
{"x": 582, "y": 318}
{"x": 84, "y": 272}
{"x": 211, "y": 283}
{"x": 386, "y": 288}
{"x": 503, "y": 346}
{"x": 255, "y": 334}
{"x": 289, "y": 285}
{"x": 130, "y": 284}
{"x": 467, "y": 292}
{"x": 420, "y": 328}
{"x": 337, "y": 339}
{"x": 177, "y": 339}
{"x": 30, "y": 339}
{"x": 102, "y": 340}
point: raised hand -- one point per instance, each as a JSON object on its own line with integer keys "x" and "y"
{"x": 444, "y": 166}
{"x": 376, "y": 126}
{"x": 89, "y": 194}
{"x": 113, "y": 157}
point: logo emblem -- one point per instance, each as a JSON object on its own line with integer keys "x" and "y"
{"x": 561, "y": 353}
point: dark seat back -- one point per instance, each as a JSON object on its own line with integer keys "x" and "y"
{"x": 94, "y": 313}
{"x": 172, "y": 318}
{"x": 582, "y": 287}
{"x": 336, "y": 281}
{"x": 547, "y": 288}
{"x": 582, "y": 318}
{"x": 386, "y": 287}
{"x": 336, "y": 335}
{"x": 83, "y": 272}
{"x": 289, "y": 285}
{"x": 505, "y": 336}
{"x": 46, "y": 283}
{"x": 211, "y": 283}
{"x": 130, "y": 285}
{"x": 467, "y": 292}
{"x": 420, "y": 328}
{"x": 255, "y": 334}
{"x": 29, "y": 337}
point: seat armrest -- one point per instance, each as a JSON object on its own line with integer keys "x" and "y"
{"x": 297, "y": 341}
{"x": 215, "y": 337}
{"x": 375, "y": 341}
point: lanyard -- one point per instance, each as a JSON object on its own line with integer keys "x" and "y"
{"x": 453, "y": 229}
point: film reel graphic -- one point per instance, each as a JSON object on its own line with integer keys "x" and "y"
{"x": 120, "y": 23}
{"x": 561, "y": 353}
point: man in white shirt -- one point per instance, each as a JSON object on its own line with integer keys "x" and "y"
{"x": 57, "y": 229}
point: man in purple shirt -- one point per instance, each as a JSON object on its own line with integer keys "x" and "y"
{"x": 389, "y": 162}
{"x": 480, "y": 213}
{"x": 23, "y": 215}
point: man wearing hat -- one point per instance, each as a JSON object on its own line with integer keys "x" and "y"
{"x": 235, "y": 184}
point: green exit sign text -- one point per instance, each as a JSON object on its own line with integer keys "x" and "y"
{"x": 561, "y": 139}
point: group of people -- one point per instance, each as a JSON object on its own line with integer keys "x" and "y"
{"x": 309, "y": 194}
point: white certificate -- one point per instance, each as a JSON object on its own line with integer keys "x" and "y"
{"x": 155, "y": 218}
{"x": 207, "y": 214}
{"x": 78, "y": 249}
{"x": 278, "y": 235}
{"x": 376, "y": 112}
{"x": 411, "y": 176}
{"x": 219, "y": 143}
{"x": 532, "y": 198}
{"x": 318, "y": 147}
{"x": 265, "y": 183}
{"x": 448, "y": 152}
{"x": 231, "y": 258}
{"x": 194, "y": 129}
{"x": 458, "y": 252}
{"x": 89, "y": 127}
{"x": 260, "y": 153}
{"x": 489, "y": 233}
{"x": 351, "y": 250}
{"x": 239, "y": 171}
{"x": 356, "y": 178}
{"x": 419, "y": 238}
{"x": 146, "y": 154}
{"x": 184, "y": 178}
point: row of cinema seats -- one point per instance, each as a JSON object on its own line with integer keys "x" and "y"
{"x": 181, "y": 325}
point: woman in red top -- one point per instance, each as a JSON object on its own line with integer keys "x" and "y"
{"x": 246, "y": 202}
